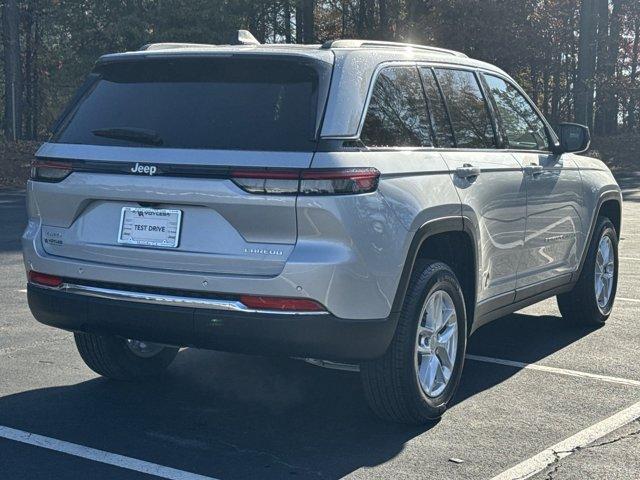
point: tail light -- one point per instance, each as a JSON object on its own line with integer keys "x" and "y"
{"x": 50, "y": 171}
{"x": 44, "y": 279}
{"x": 339, "y": 182}
{"x": 278, "y": 303}
{"x": 274, "y": 182}
{"x": 343, "y": 181}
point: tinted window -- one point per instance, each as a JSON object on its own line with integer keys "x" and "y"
{"x": 522, "y": 125}
{"x": 215, "y": 104}
{"x": 467, "y": 108}
{"x": 439, "y": 117}
{"x": 397, "y": 115}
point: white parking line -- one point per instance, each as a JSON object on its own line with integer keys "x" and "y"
{"x": 98, "y": 455}
{"x": 635, "y": 300}
{"x": 547, "y": 457}
{"x": 560, "y": 371}
{"x": 630, "y": 258}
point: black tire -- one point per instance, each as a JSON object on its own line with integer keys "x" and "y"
{"x": 580, "y": 305}
{"x": 111, "y": 357}
{"x": 390, "y": 382}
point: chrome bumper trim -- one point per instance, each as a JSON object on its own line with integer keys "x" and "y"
{"x": 167, "y": 300}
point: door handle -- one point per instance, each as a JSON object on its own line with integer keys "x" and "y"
{"x": 533, "y": 170}
{"x": 468, "y": 171}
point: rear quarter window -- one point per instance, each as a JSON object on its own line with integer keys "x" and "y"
{"x": 397, "y": 114}
{"x": 246, "y": 104}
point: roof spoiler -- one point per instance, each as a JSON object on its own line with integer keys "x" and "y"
{"x": 238, "y": 37}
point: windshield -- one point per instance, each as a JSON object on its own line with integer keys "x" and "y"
{"x": 246, "y": 104}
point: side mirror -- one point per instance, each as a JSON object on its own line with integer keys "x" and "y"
{"x": 573, "y": 138}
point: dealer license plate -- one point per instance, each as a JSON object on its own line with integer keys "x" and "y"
{"x": 150, "y": 227}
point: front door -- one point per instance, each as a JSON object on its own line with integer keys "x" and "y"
{"x": 553, "y": 186}
{"x": 554, "y": 191}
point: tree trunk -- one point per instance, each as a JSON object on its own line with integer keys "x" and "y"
{"x": 584, "y": 86}
{"x": 299, "y": 21}
{"x": 12, "y": 71}
{"x": 308, "y": 32}
{"x": 384, "y": 19}
{"x": 612, "y": 105}
{"x": 601, "y": 66}
{"x": 633, "y": 75}
{"x": 287, "y": 21}
{"x": 344, "y": 10}
{"x": 28, "y": 71}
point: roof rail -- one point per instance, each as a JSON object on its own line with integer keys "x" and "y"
{"x": 380, "y": 44}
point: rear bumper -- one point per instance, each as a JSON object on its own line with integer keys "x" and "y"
{"x": 310, "y": 335}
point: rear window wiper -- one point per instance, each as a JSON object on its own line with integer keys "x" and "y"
{"x": 139, "y": 135}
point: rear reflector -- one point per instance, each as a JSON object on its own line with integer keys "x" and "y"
{"x": 284, "y": 304}
{"x": 44, "y": 279}
{"x": 334, "y": 181}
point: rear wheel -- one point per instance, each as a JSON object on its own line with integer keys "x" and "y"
{"x": 416, "y": 378}
{"x": 123, "y": 359}
{"x": 591, "y": 300}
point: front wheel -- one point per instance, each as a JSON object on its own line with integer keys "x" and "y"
{"x": 123, "y": 359}
{"x": 418, "y": 375}
{"x": 591, "y": 300}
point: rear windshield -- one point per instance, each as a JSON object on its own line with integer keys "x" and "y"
{"x": 246, "y": 104}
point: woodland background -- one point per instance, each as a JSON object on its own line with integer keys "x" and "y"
{"x": 578, "y": 59}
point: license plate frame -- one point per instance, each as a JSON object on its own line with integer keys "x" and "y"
{"x": 170, "y": 219}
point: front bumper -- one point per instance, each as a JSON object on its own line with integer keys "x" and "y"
{"x": 210, "y": 324}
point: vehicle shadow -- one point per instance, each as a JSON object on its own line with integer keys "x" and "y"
{"x": 236, "y": 416}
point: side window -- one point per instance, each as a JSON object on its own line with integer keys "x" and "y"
{"x": 467, "y": 108}
{"x": 440, "y": 120}
{"x": 522, "y": 125}
{"x": 397, "y": 115}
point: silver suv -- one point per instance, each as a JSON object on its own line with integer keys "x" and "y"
{"x": 359, "y": 202}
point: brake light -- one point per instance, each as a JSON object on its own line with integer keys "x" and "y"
{"x": 334, "y": 181}
{"x": 50, "y": 171}
{"x": 278, "y": 303}
{"x": 44, "y": 279}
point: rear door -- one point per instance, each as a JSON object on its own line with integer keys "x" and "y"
{"x": 553, "y": 184}
{"x": 184, "y": 135}
{"x": 489, "y": 181}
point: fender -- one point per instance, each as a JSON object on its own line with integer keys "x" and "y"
{"x": 427, "y": 230}
{"x": 604, "y": 196}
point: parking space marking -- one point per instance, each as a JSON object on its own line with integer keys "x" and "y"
{"x": 560, "y": 371}
{"x": 630, "y": 258}
{"x": 99, "y": 456}
{"x": 635, "y": 300}
{"x": 544, "y": 459}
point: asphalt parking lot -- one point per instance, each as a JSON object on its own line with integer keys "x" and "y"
{"x": 534, "y": 391}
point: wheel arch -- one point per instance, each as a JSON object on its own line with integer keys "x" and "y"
{"x": 453, "y": 241}
{"x": 609, "y": 204}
